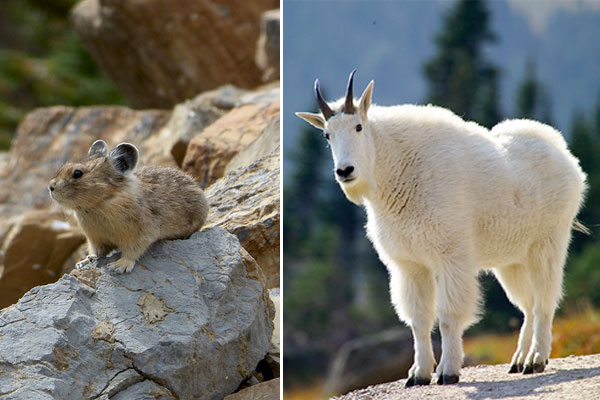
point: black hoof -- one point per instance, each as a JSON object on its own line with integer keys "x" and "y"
{"x": 528, "y": 370}
{"x": 515, "y": 368}
{"x": 447, "y": 379}
{"x": 412, "y": 381}
{"x": 539, "y": 367}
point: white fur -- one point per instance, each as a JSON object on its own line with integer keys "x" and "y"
{"x": 446, "y": 198}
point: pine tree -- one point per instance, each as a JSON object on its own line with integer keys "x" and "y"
{"x": 459, "y": 76}
{"x": 532, "y": 99}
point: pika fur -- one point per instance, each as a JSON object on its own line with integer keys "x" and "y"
{"x": 121, "y": 207}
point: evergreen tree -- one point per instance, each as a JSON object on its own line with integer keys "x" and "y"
{"x": 459, "y": 76}
{"x": 532, "y": 99}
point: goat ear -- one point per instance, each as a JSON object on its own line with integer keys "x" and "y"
{"x": 365, "y": 101}
{"x": 124, "y": 158}
{"x": 98, "y": 149}
{"x": 315, "y": 120}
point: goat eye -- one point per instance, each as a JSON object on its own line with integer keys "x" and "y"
{"x": 358, "y": 128}
{"x": 77, "y": 173}
{"x": 326, "y": 135}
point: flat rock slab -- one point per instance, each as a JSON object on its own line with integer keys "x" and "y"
{"x": 191, "y": 321}
{"x": 571, "y": 378}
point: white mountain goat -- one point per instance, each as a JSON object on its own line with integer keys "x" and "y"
{"x": 446, "y": 198}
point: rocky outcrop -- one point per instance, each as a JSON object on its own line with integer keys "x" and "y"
{"x": 191, "y": 321}
{"x": 576, "y": 378}
{"x": 160, "y": 53}
{"x": 209, "y": 153}
{"x": 48, "y": 137}
{"x": 246, "y": 203}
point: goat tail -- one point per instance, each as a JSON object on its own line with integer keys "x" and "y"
{"x": 578, "y": 226}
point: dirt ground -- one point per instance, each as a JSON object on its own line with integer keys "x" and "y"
{"x": 571, "y": 378}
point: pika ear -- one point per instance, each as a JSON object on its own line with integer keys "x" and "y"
{"x": 365, "y": 101}
{"x": 315, "y": 120}
{"x": 124, "y": 158}
{"x": 98, "y": 149}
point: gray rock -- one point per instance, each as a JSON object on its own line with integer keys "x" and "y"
{"x": 191, "y": 321}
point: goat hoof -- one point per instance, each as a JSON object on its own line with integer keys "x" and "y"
{"x": 528, "y": 369}
{"x": 447, "y": 379}
{"x": 539, "y": 367}
{"x": 412, "y": 381}
{"x": 515, "y": 368}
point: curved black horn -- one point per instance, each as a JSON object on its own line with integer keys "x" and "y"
{"x": 349, "y": 104}
{"x": 327, "y": 113}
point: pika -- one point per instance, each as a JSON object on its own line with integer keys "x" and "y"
{"x": 119, "y": 207}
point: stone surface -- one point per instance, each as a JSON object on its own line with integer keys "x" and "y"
{"x": 187, "y": 120}
{"x": 161, "y": 53}
{"x": 209, "y": 153}
{"x": 265, "y": 144}
{"x": 369, "y": 360}
{"x": 571, "y": 378}
{"x": 35, "y": 249}
{"x": 100, "y": 335}
{"x": 246, "y": 203}
{"x": 267, "y": 48}
{"x": 268, "y": 390}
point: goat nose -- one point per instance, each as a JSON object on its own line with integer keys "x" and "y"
{"x": 344, "y": 172}
{"x": 51, "y": 188}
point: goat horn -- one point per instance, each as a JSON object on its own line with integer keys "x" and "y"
{"x": 349, "y": 105}
{"x": 327, "y": 113}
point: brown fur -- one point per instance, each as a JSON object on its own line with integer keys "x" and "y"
{"x": 129, "y": 211}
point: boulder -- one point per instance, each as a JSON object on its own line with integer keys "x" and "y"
{"x": 209, "y": 153}
{"x": 246, "y": 203}
{"x": 265, "y": 144}
{"x": 191, "y": 321}
{"x": 268, "y": 390}
{"x": 35, "y": 250}
{"x": 382, "y": 357}
{"x": 267, "y": 48}
{"x": 160, "y": 53}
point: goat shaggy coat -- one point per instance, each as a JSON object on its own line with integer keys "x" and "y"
{"x": 446, "y": 198}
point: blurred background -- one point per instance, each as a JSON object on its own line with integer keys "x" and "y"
{"x": 486, "y": 61}
{"x": 43, "y": 63}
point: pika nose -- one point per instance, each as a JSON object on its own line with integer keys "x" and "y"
{"x": 51, "y": 188}
{"x": 344, "y": 172}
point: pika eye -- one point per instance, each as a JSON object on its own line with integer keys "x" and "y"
{"x": 326, "y": 135}
{"x": 77, "y": 173}
{"x": 358, "y": 128}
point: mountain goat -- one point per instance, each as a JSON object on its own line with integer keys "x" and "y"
{"x": 446, "y": 198}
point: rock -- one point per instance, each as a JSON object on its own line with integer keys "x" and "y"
{"x": 228, "y": 97}
{"x": 273, "y": 358}
{"x": 246, "y": 203}
{"x": 378, "y": 358}
{"x": 268, "y": 390}
{"x": 192, "y": 319}
{"x": 570, "y": 378}
{"x": 35, "y": 249}
{"x": 266, "y": 143}
{"x": 267, "y": 48}
{"x": 187, "y": 120}
{"x": 159, "y": 53}
{"x": 209, "y": 153}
